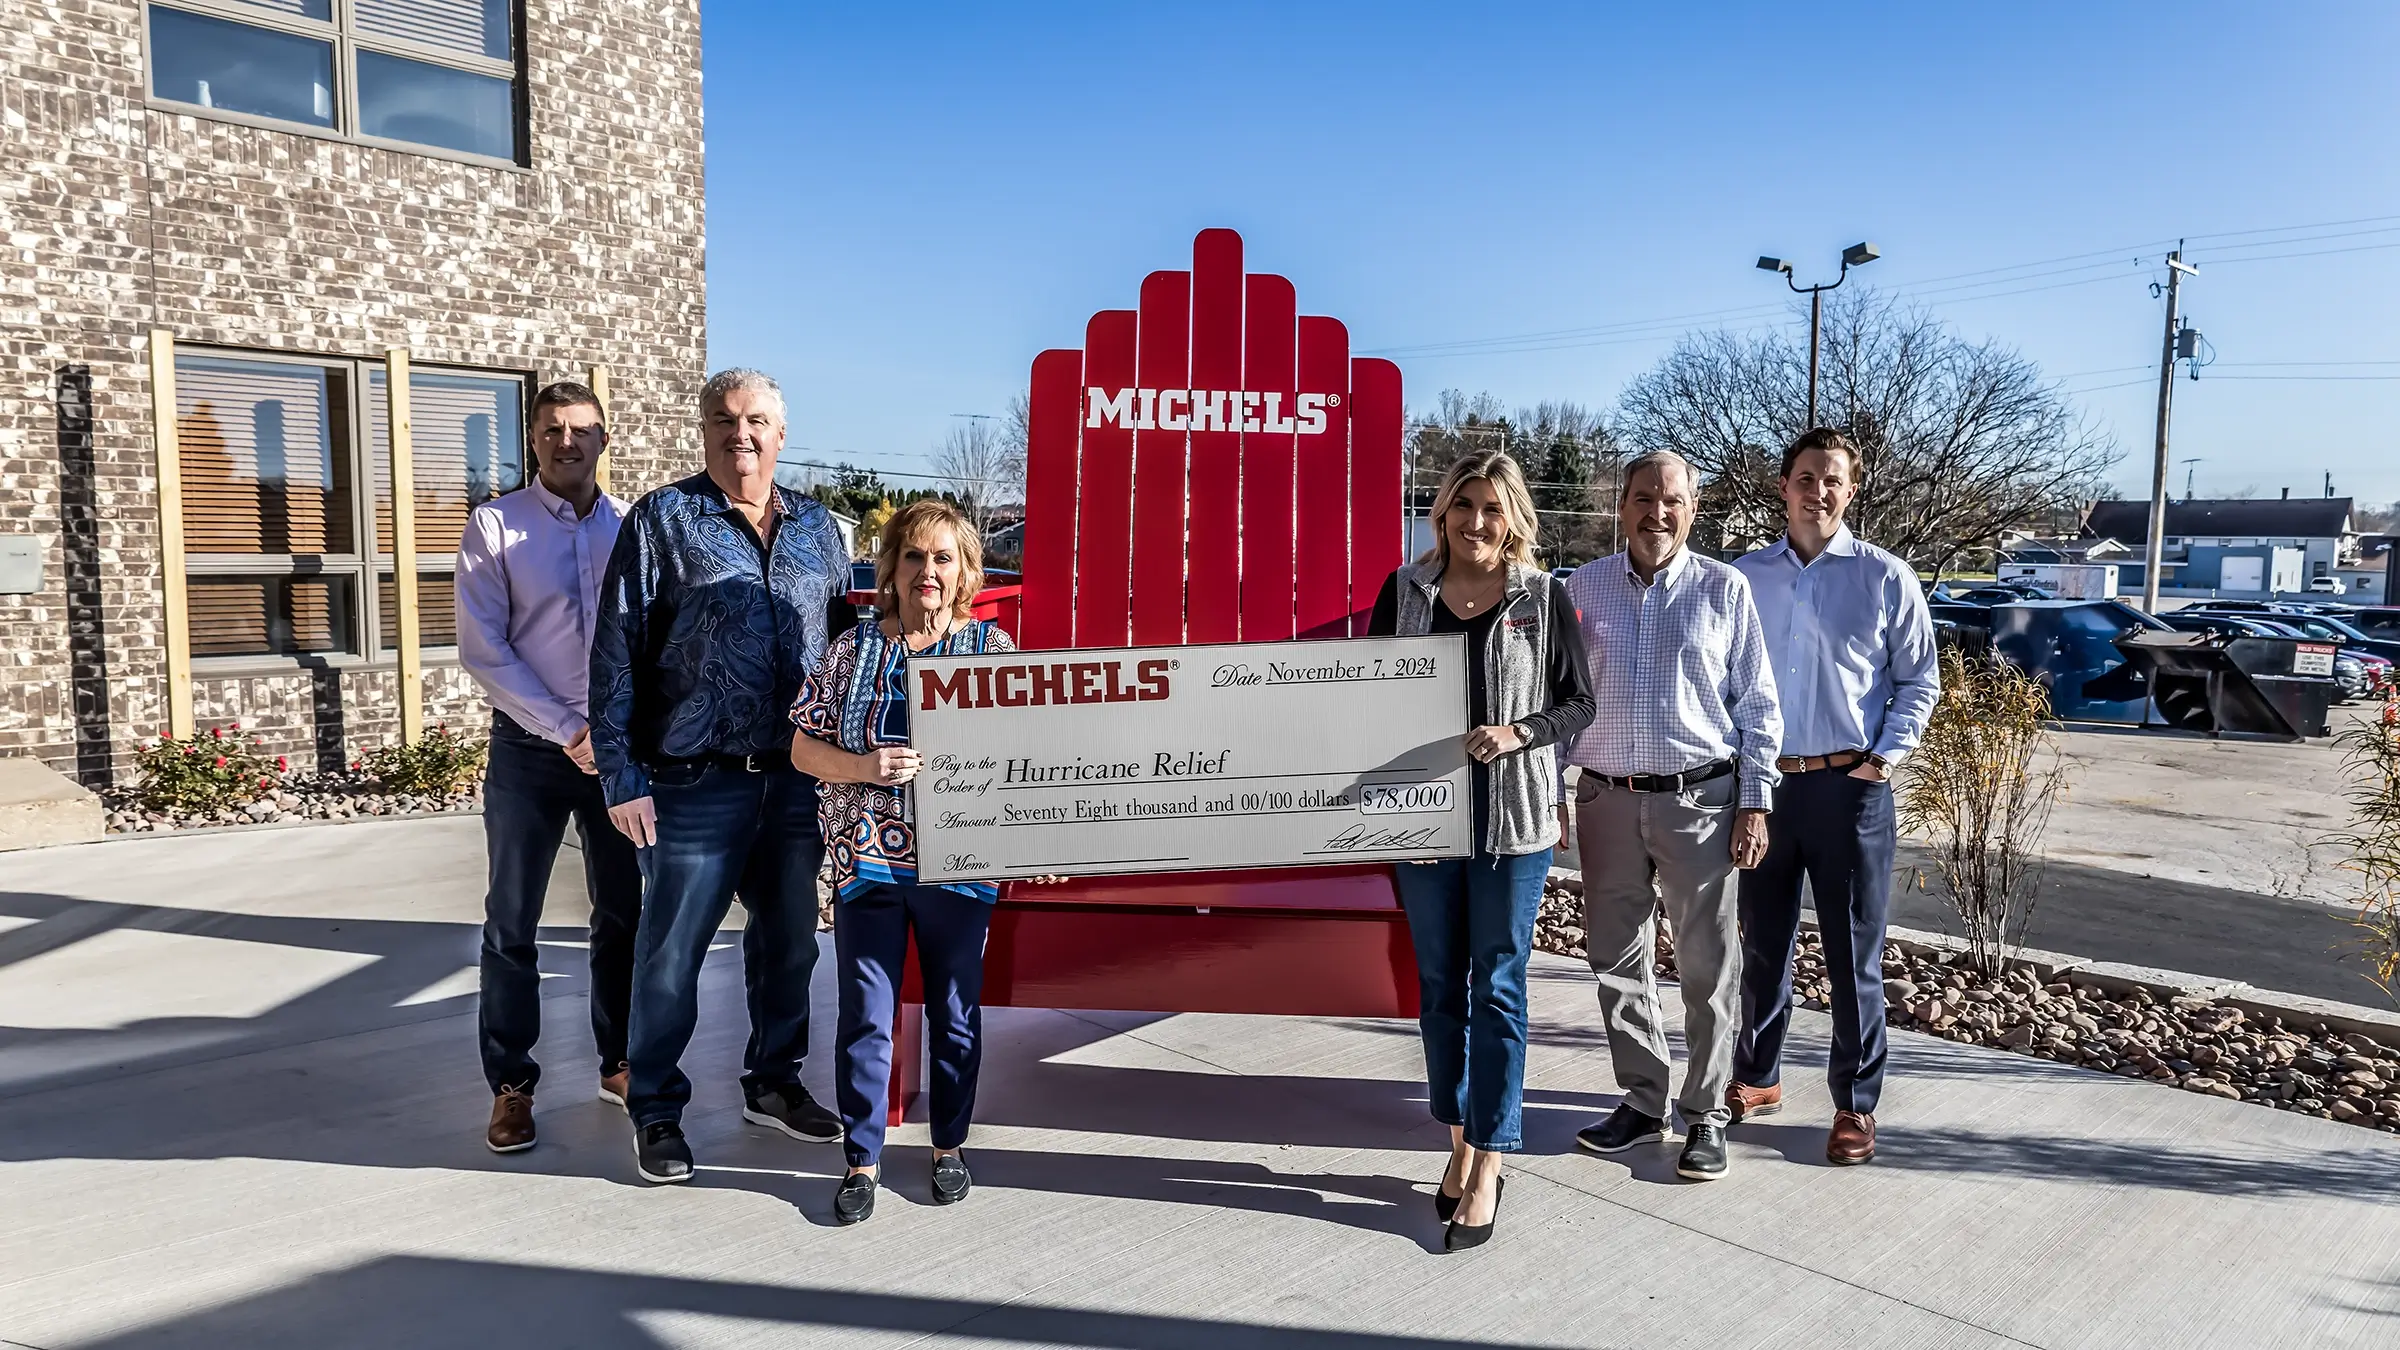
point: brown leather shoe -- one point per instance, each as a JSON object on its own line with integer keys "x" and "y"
{"x": 1745, "y": 1101}
{"x": 612, "y": 1085}
{"x": 1852, "y": 1140}
{"x": 511, "y": 1130}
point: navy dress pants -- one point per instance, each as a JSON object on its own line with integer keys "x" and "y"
{"x": 530, "y": 790}
{"x": 724, "y": 832}
{"x": 870, "y": 943}
{"x": 1837, "y": 832}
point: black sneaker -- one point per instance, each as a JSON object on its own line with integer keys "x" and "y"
{"x": 1703, "y": 1153}
{"x": 855, "y": 1201}
{"x": 791, "y": 1110}
{"x": 661, "y": 1155}
{"x": 950, "y": 1178}
{"x": 1624, "y": 1128}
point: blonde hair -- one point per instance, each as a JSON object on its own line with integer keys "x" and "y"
{"x": 1498, "y": 468}
{"x": 914, "y": 521}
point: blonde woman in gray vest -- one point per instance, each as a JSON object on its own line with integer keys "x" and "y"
{"x": 1472, "y": 918}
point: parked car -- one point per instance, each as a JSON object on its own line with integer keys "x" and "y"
{"x": 2376, "y": 621}
{"x": 2339, "y": 631}
{"x": 2327, "y": 586}
{"x": 1998, "y": 594}
{"x": 2355, "y": 671}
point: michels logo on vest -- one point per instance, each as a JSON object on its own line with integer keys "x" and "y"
{"x": 1042, "y": 684}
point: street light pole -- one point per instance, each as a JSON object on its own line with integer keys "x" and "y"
{"x": 1857, "y": 255}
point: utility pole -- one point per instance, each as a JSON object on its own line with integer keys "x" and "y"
{"x": 2154, "y": 555}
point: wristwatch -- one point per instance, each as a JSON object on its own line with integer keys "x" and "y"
{"x": 1882, "y": 766}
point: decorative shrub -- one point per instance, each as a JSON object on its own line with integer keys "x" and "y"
{"x": 214, "y": 770}
{"x": 1978, "y": 791}
{"x": 2371, "y": 846}
{"x": 443, "y": 762}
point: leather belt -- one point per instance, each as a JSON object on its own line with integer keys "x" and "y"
{"x": 1660, "y": 782}
{"x": 1839, "y": 759}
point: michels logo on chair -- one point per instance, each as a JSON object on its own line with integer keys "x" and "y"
{"x": 1211, "y": 467}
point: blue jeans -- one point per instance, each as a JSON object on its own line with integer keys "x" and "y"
{"x": 870, "y": 941}
{"x": 721, "y": 833}
{"x": 1838, "y": 832}
{"x": 530, "y": 790}
{"x": 1472, "y": 922}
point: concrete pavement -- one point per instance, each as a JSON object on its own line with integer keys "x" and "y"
{"x": 239, "y": 1107}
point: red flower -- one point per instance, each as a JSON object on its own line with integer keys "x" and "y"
{"x": 282, "y": 765}
{"x": 191, "y": 749}
{"x": 220, "y": 761}
{"x": 216, "y": 733}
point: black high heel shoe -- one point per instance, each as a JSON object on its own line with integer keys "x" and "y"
{"x": 1444, "y": 1203}
{"x": 1458, "y": 1237}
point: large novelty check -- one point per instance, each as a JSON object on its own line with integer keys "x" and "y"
{"x": 1174, "y": 759}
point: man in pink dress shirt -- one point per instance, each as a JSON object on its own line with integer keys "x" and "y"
{"x": 529, "y": 573}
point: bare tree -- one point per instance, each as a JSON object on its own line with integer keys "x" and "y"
{"x": 975, "y": 459}
{"x": 1962, "y": 441}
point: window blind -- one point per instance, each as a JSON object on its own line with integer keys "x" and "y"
{"x": 437, "y": 609}
{"x": 468, "y": 446}
{"x": 468, "y": 27}
{"x": 270, "y": 616}
{"x": 260, "y": 470}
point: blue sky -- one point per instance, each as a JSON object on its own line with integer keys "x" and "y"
{"x": 905, "y": 204}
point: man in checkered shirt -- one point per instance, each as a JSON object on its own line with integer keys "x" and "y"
{"x": 1678, "y": 777}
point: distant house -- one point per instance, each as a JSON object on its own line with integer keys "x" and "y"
{"x": 2038, "y": 549}
{"x": 2237, "y": 547}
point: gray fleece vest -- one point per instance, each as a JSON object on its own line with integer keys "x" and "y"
{"x": 1522, "y": 810}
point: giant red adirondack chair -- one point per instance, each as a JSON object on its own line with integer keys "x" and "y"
{"x": 1140, "y": 535}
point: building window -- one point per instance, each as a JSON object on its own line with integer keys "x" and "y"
{"x": 287, "y": 499}
{"x": 445, "y": 74}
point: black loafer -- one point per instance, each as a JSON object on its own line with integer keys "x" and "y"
{"x": 855, "y": 1201}
{"x": 661, "y": 1155}
{"x": 1624, "y": 1128}
{"x": 951, "y": 1179}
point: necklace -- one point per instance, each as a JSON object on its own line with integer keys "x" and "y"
{"x": 1487, "y": 593}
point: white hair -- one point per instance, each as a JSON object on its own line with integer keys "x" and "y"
{"x": 1656, "y": 459}
{"x": 739, "y": 377}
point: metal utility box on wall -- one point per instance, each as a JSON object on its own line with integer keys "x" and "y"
{"x": 20, "y": 565}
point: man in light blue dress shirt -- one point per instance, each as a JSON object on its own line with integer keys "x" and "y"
{"x": 529, "y": 574}
{"x": 1852, "y": 646}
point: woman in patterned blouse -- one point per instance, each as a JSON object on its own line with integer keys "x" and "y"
{"x": 853, "y": 720}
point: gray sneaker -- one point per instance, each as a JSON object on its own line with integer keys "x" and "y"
{"x": 790, "y": 1109}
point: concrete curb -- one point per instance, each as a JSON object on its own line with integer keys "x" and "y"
{"x": 192, "y": 831}
{"x": 2378, "y": 1024}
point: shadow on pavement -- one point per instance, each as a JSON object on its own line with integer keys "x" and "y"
{"x": 402, "y": 1302}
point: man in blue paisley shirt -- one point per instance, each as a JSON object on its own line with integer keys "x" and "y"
{"x": 721, "y": 595}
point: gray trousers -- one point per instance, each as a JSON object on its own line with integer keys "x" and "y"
{"x": 1639, "y": 849}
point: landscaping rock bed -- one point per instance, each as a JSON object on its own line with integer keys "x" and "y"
{"x": 324, "y": 796}
{"x": 2188, "y": 1041}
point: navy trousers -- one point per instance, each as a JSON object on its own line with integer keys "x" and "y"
{"x": 724, "y": 832}
{"x": 1471, "y": 921}
{"x": 870, "y": 943}
{"x": 1836, "y": 832}
{"x": 530, "y": 790}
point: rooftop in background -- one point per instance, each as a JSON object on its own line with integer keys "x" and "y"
{"x": 2243, "y": 518}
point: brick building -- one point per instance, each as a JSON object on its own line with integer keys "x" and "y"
{"x": 509, "y": 190}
